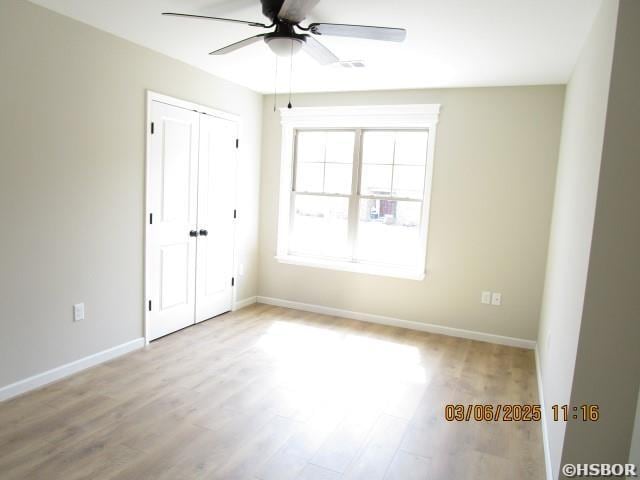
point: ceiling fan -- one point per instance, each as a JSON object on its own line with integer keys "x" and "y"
{"x": 285, "y": 16}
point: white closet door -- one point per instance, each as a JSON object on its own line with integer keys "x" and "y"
{"x": 173, "y": 184}
{"x": 216, "y": 203}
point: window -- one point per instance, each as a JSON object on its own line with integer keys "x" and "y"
{"x": 355, "y": 188}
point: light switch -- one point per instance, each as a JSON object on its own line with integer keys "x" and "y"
{"x": 485, "y": 298}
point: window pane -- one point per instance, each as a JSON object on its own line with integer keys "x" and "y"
{"x": 377, "y": 147}
{"x": 309, "y": 177}
{"x": 411, "y": 148}
{"x": 320, "y": 226}
{"x": 376, "y": 180}
{"x": 389, "y": 232}
{"x": 310, "y": 146}
{"x": 408, "y": 182}
{"x": 340, "y": 147}
{"x": 337, "y": 178}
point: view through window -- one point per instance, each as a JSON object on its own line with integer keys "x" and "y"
{"x": 358, "y": 195}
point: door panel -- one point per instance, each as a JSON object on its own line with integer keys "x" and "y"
{"x": 173, "y": 176}
{"x": 216, "y": 201}
{"x": 174, "y": 275}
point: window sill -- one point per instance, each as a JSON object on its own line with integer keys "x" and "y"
{"x": 367, "y": 269}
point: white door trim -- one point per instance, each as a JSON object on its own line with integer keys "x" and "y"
{"x": 159, "y": 97}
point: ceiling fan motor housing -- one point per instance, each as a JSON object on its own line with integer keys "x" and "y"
{"x": 271, "y": 8}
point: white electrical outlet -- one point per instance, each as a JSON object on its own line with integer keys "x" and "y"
{"x": 496, "y": 299}
{"x": 78, "y": 312}
{"x": 241, "y": 269}
{"x": 485, "y": 298}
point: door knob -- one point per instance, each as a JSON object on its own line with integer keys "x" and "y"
{"x": 193, "y": 233}
{"x": 204, "y": 233}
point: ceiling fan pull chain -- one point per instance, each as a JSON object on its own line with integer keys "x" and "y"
{"x": 290, "y": 74}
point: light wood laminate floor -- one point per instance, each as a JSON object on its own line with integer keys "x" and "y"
{"x": 275, "y": 394}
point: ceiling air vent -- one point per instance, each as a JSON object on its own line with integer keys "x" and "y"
{"x": 352, "y": 63}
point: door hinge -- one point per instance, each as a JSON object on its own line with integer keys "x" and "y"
{"x": 149, "y": 305}
{"x": 237, "y": 143}
{"x": 235, "y": 213}
{"x": 233, "y": 281}
{"x": 151, "y": 219}
{"x": 152, "y": 128}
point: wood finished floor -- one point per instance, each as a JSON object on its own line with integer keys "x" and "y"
{"x": 276, "y": 394}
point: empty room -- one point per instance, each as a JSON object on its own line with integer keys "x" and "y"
{"x": 319, "y": 240}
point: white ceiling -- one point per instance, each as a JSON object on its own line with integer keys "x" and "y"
{"x": 450, "y": 43}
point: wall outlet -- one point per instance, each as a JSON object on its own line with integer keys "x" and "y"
{"x": 78, "y": 312}
{"x": 496, "y": 299}
{"x": 485, "y": 298}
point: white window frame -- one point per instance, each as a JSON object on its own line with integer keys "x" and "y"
{"x": 391, "y": 117}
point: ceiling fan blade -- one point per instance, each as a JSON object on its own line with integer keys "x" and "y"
{"x": 359, "y": 31}
{"x": 235, "y": 46}
{"x": 295, "y": 11}
{"x": 204, "y": 17}
{"x": 318, "y": 51}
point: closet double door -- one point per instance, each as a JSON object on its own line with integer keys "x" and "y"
{"x": 191, "y": 180}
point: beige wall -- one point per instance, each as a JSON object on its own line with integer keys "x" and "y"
{"x": 588, "y": 340}
{"x": 72, "y": 146}
{"x": 495, "y": 163}
{"x": 573, "y": 216}
{"x": 607, "y": 370}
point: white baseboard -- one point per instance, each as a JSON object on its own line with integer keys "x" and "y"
{"x": 397, "y": 322}
{"x": 543, "y": 420}
{"x": 44, "y": 378}
{"x": 244, "y": 303}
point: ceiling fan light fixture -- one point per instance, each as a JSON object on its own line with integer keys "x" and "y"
{"x": 284, "y": 46}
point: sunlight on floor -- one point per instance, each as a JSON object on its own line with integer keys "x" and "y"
{"x": 315, "y": 361}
